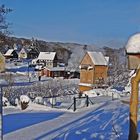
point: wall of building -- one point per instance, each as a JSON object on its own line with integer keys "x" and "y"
{"x": 86, "y": 76}
{"x": 84, "y": 88}
{"x": 22, "y": 55}
{"x": 100, "y": 74}
{"x": 133, "y": 61}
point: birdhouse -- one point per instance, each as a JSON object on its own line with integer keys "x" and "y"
{"x": 93, "y": 70}
{"x": 133, "y": 51}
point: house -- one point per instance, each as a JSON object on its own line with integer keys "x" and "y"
{"x": 2, "y": 63}
{"x": 55, "y": 72}
{"x": 49, "y": 59}
{"x": 93, "y": 70}
{"x": 22, "y": 54}
{"x": 133, "y": 51}
{"x": 11, "y": 53}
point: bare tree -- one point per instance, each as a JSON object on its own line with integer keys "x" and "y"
{"x": 4, "y": 25}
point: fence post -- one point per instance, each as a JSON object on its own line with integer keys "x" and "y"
{"x": 74, "y": 103}
{"x": 112, "y": 96}
{"x": 87, "y": 101}
{"x": 52, "y": 102}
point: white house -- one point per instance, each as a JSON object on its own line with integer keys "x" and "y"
{"x": 49, "y": 59}
{"x": 22, "y": 54}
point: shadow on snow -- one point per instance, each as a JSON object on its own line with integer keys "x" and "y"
{"x": 17, "y": 121}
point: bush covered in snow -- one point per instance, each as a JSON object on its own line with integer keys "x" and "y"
{"x": 39, "y": 100}
{"x": 16, "y": 102}
{"x": 5, "y": 101}
{"x": 52, "y": 101}
{"x": 24, "y": 101}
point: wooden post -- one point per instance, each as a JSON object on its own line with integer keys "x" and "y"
{"x": 74, "y": 103}
{"x": 87, "y": 101}
{"x": 133, "y": 135}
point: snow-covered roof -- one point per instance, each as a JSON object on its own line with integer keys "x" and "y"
{"x": 47, "y": 55}
{"x": 133, "y": 44}
{"x": 9, "y": 52}
{"x": 23, "y": 50}
{"x": 86, "y": 84}
{"x": 98, "y": 58}
{"x": 107, "y": 59}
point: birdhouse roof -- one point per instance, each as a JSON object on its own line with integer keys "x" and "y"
{"x": 133, "y": 44}
{"x": 98, "y": 58}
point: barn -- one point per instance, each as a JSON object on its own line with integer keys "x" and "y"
{"x": 93, "y": 70}
{"x": 133, "y": 51}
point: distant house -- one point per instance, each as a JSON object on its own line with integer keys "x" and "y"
{"x": 49, "y": 59}
{"x": 133, "y": 51}
{"x": 2, "y": 63}
{"x": 22, "y": 53}
{"x": 55, "y": 72}
{"x": 11, "y": 53}
{"x": 93, "y": 70}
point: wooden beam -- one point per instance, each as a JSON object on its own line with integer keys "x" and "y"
{"x": 133, "y": 135}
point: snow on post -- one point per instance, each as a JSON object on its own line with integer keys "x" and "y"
{"x": 133, "y": 51}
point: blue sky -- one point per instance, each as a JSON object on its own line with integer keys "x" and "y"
{"x": 80, "y": 21}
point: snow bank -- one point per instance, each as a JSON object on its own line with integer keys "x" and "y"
{"x": 113, "y": 93}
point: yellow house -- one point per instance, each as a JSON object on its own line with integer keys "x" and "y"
{"x": 2, "y": 63}
{"x": 93, "y": 70}
{"x": 22, "y": 54}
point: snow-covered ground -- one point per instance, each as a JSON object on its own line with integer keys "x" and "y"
{"x": 106, "y": 119}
